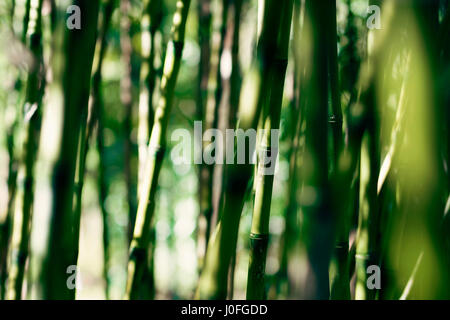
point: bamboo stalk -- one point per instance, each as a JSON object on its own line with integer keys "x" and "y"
{"x": 344, "y": 172}
{"x": 26, "y": 20}
{"x": 417, "y": 222}
{"x": 259, "y": 235}
{"x": 95, "y": 116}
{"x": 294, "y": 154}
{"x": 210, "y": 185}
{"x": 229, "y": 102}
{"x": 25, "y": 194}
{"x": 88, "y": 119}
{"x": 6, "y": 226}
{"x": 235, "y": 80}
{"x": 67, "y": 99}
{"x": 227, "y": 106}
{"x": 150, "y": 23}
{"x": 102, "y": 194}
{"x": 126, "y": 98}
{"x": 318, "y": 221}
{"x": 367, "y": 237}
{"x": 213, "y": 282}
{"x": 156, "y": 148}
{"x": 204, "y": 172}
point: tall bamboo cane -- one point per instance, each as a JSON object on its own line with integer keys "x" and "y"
{"x": 68, "y": 97}
{"x": 24, "y": 197}
{"x": 267, "y": 156}
{"x": 204, "y": 172}
{"x": 210, "y": 186}
{"x": 156, "y": 148}
{"x": 26, "y": 20}
{"x": 6, "y": 226}
{"x": 95, "y": 114}
{"x": 150, "y": 23}
{"x": 222, "y": 245}
{"x": 344, "y": 169}
{"x": 318, "y": 222}
{"x": 416, "y": 223}
{"x": 367, "y": 244}
{"x": 126, "y": 98}
{"x": 89, "y": 118}
{"x": 296, "y": 119}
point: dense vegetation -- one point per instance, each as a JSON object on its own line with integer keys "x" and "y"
{"x": 350, "y": 100}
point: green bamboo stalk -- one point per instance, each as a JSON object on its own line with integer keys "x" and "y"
{"x": 211, "y": 187}
{"x": 213, "y": 282}
{"x": 318, "y": 221}
{"x": 88, "y": 119}
{"x": 339, "y": 280}
{"x": 24, "y": 196}
{"x": 367, "y": 237}
{"x": 126, "y": 98}
{"x": 334, "y": 85}
{"x": 367, "y": 132}
{"x": 445, "y": 65}
{"x": 68, "y": 98}
{"x": 421, "y": 192}
{"x": 204, "y": 39}
{"x": 218, "y": 38}
{"x": 103, "y": 193}
{"x": 344, "y": 170}
{"x": 150, "y": 23}
{"x": 229, "y": 104}
{"x": 282, "y": 286}
{"x": 445, "y": 55}
{"x": 259, "y": 235}
{"x": 235, "y": 80}
{"x": 53, "y": 15}
{"x": 94, "y": 116}
{"x": 204, "y": 170}
{"x": 26, "y": 20}
{"x": 6, "y": 226}
{"x": 281, "y": 283}
{"x": 156, "y": 148}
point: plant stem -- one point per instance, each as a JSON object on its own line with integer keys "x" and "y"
{"x": 204, "y": 171}
{"x": 6, "y": 226}
{"x": 24, "y": 196}
{"x": 68, "y": 98}
{"x": 126, "y": 98}
{"x": 141, "y": 236}
{"x": 26, "y": 20}
{"x": 213, "y": 282}
{"x": 95, "y": 116}
{"x": 259, "y": 235}
{"x": 318, "y": 221}
{"x": 150, "y": 23}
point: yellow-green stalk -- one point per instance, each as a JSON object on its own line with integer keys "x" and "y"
{"x": 268, "y": 153}
{"x": 146, "y": 206}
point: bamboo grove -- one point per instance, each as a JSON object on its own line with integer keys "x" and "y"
{"x": 224, "y": 149}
